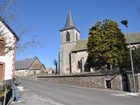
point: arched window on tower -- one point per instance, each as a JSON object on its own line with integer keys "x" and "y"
{"x": 76, "y": 37}
{"x": 67, "y": 36}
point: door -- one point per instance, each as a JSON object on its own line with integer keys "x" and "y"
{"x": 125, "y": 82}
{"x": 1, "y": 72}
{"x": 108, "y": 84}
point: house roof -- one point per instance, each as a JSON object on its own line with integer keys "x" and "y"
{"x": 25, "y": 64}
{"x": 9, "y": 28}
{"x": 69, "y": 23}
{"x": 81, "y": 45}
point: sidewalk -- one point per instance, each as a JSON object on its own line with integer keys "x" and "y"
{"x": 30, "y": 98}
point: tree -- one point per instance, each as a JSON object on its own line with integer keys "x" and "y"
{"x": 107, "y": 46}
{"x": 6, "y": 9}
{"x": 136, "y": 55}
{"x": 8, "y": 14}
{"x": 56, "y": 63}
{"x": 5, "y": 14}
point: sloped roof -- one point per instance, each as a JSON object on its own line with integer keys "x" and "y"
{"x": 134, "y": 37}
{"x": 24, "y": 64}
{"x": 69, "y": 23}
{"x": 81, "y": 45}
{"x": 15, "y": 35}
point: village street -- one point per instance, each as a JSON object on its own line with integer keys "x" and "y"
{"x": 57, "y": 94}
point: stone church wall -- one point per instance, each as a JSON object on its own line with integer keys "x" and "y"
{"x": 86, "y": 80}
{"x": 75, "y": 57}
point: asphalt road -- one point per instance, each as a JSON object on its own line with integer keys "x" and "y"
{"x": 70, "y": 95}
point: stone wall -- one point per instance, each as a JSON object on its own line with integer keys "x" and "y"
{"x": 117, "y": 82}
{"x": 139, "y": 81}
{"x": 131, "y": 84}
{"x": 86, "y": 80}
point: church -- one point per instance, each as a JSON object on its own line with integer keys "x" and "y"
{"x": 73, "y": 51}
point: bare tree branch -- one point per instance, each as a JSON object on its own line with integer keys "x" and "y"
{"x": 7, "y": 15}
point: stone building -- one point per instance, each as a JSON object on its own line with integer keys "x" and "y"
{"x": 73, "y": 51}
{"x": 29, "y": 66}
{"x": 69, "y": 36}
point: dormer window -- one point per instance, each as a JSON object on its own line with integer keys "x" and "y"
{"x": 67, "y": 36}
{"x": 2, "y": 47}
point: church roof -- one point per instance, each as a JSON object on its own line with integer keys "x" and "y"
{"x": 134, "y": 37}
{"x": 81, "y": 45}
{"x": 69, "y": 23}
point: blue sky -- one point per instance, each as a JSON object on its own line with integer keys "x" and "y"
{"x": 44, "y": 18}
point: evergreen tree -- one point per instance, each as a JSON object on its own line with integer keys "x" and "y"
{"x": 136, "y": 55}
{"x": 107, "y": 45}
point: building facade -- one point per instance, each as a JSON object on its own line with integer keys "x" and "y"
{"x": 8, "y": 41}
{"x": 29, "y": 66}
{"x": 73, "y": 51}
{"x": 69, "y": 36}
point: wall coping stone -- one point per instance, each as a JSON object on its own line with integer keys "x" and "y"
{"x": 76, "y": 75}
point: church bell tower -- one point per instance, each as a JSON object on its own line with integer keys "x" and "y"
{"x": 68, "y": 37}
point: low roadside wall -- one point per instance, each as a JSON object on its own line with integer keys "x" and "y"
{"x": 139, "y": 81}
{"x": 86, "y": 80}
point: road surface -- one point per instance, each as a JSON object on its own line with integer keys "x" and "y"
{"x": 71, "y": 95}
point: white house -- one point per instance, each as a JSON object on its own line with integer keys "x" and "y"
{"x": 8, "y": 41}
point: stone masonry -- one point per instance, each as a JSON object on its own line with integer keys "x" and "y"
{"x": 86, "y": 80}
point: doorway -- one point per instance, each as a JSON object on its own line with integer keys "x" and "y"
{"x": 125, "y": 82}
{"x": 1, "y": 71}
{"x": 108, "y": 84}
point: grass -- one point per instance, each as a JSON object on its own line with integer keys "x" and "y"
{"x": 2, "y": 93}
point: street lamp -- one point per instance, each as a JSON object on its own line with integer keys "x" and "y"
{"x": 125, "y": 23}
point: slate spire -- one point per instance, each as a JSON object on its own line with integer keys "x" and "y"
{"x": 69, "y": 21}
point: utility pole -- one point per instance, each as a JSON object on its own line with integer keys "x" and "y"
{"x": 125, "y": 23}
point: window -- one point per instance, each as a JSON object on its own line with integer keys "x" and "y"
{"x": 79, "y": 64}
{"x": 67, "y": 36}
{"x": 76, "y": 37}
{"x": 2, "y": 47}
